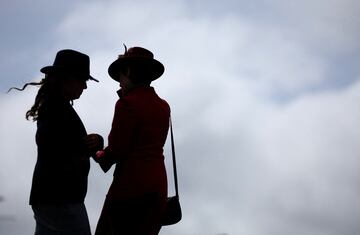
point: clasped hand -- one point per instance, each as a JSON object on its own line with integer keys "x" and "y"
{"x": 94, "y": 143}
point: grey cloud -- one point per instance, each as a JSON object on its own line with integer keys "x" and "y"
{"x": 27, "y": 32}
{"x": 247, "y": 163}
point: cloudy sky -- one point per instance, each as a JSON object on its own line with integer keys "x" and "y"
{"x": 265, "y": 99}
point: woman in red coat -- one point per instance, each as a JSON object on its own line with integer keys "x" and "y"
{"x": 137, "y": 196}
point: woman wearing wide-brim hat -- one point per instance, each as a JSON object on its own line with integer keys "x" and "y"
{"x": 59, "y": 183}
{"x": 137, "y": 196}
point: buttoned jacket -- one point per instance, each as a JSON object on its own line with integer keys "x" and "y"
{"x": 135, "y": 144}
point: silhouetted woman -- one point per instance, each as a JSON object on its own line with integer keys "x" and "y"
{"x": 136, "y": 199}
{"x": 60, "y": 176}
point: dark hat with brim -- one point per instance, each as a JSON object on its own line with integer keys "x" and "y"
{"x": 137, "y": 56}
{"x": 71, "y": 62}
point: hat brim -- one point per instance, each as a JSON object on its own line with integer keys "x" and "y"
{"x": 56, "y": 69}
{"x": 156, "y": 67}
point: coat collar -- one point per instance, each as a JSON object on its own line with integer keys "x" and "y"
{"x": 134, "y": 90}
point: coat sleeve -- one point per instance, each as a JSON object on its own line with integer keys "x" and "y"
{"x": 121, "y": 136}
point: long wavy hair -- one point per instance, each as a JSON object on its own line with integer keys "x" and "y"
{"x": 49, "y": 87}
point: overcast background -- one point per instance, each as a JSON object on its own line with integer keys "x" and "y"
{"x": 264, "y": 95}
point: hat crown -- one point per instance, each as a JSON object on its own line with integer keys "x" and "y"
{"x": 72, "y": 61}
{"x": 138, "y": 52}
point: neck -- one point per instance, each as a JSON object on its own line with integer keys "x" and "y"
{"x": 125, "y": 91}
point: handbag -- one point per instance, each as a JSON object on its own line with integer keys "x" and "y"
{"x": 172, "y": 214}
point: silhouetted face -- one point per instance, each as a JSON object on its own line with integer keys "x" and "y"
{"x": 125, "y": 82}
{"x": 73, "y": 87}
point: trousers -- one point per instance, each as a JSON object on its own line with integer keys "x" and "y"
{"x": 64, "y": 219}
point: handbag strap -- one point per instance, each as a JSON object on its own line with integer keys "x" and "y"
{"x": 174, "y": 160}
